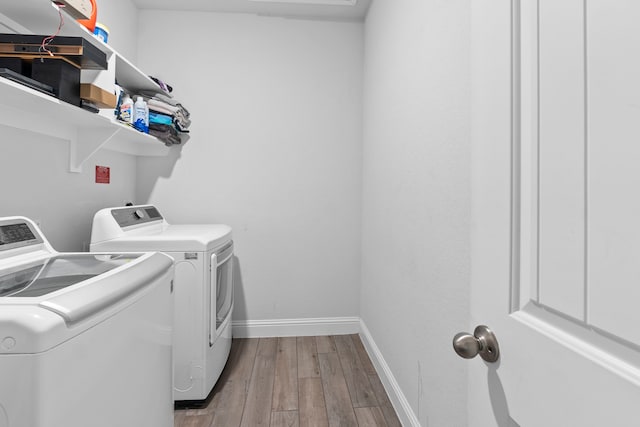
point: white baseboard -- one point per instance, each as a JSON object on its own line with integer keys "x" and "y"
{"x": 397, "y": 397}
{"x": 295, "y": 327}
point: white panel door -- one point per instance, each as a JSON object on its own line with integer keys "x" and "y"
{"x": 556, "y": 211}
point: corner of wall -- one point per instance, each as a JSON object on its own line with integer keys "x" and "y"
{"x": 397, "y": 397}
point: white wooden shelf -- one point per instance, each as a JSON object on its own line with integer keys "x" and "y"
{"x": 24, "y": 108}
{"x": 41, "y": 17}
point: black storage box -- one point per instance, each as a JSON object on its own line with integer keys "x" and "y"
{"x": 15, "y": 64}
{"x": 63, "y": 77}
{"x": 74, "y": 49}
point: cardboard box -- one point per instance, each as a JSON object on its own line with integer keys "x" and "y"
{"x": 98, "y": 96}
{"x": 105, "y": 79}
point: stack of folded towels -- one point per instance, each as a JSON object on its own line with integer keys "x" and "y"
{"x": 168, "y": 120}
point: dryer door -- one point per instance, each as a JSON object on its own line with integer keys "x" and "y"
{"x": 221, "y": 290}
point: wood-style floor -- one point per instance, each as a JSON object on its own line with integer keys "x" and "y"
{"x": 298, "y": 381}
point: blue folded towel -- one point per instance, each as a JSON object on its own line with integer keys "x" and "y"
{"x": 160, "y": 119}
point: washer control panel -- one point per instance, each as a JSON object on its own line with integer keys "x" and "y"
{"x": 135, "y": 215}
{"x": 16, "y": 233}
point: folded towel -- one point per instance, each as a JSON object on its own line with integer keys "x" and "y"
{"x": 155, "y": 104}
{"x": 184, "y": 110}
{"x": 164, "y": 86}
{"x": 165, "y": 111}
{"x": 161, "y": 110}
{"x": 157, "y": 118}
{"x": 182, "y": 122}
{"x": 181, "y": 127}
{"x": 165, "y": 133}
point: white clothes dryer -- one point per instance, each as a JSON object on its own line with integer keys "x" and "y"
{"x": 203, "y": 257}
{"x": 85, "y": 339}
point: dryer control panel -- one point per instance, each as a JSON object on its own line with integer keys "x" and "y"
{"x": 135, "y": 215}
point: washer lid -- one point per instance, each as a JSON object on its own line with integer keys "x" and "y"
{"x": 57, "y": 272}
{"x": 78, "y": 291}
{"x": 172, "y": 238}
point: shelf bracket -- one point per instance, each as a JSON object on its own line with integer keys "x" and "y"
{"x": 85, "y": 143}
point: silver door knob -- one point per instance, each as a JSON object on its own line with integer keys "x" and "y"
{"x": 482, "y": 342}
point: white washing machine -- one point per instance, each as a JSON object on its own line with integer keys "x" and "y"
{"x": 85, "y": 339}
{"x": 203, "y": 287}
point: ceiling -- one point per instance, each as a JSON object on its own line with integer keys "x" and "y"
{"x": 341, "y": 10}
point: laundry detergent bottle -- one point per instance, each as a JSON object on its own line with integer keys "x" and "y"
{"x": 141, "y": 115}
{"x": 126, "y": 109}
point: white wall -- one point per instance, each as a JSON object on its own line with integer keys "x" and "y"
{"x": 415, "y": 274}
{"x": 121, "y": 17}
{"x": 35, "y": 178}
{"x": 275, "y": 151}
{"x": 36, "y": 183}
